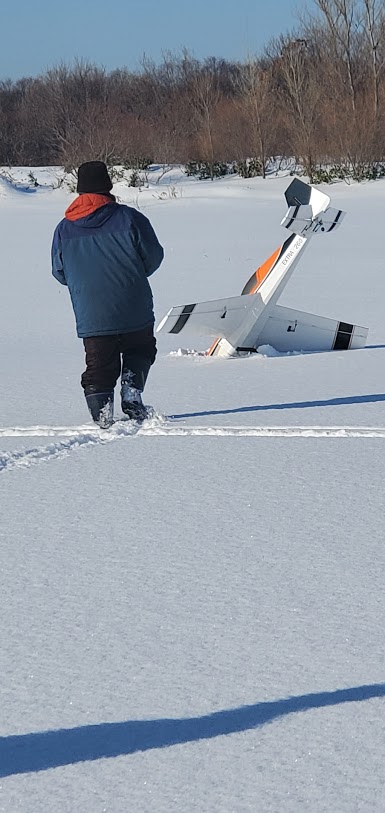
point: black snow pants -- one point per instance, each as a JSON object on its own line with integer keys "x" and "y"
{"x": 127, "y": 354}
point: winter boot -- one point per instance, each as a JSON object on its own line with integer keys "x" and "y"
{"x": 101, "y": 407}
{"x": 132, "y": 404}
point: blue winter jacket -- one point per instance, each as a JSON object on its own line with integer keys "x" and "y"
{"x": 105, "y": 259}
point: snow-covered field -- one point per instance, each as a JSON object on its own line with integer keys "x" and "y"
{"x": 192, "y": 615}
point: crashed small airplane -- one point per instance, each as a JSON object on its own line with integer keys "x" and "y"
{"x": 241, "y": 324}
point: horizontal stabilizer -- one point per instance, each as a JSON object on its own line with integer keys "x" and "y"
{"x": 329, "y": 220}
{"x": 300, "y": 220}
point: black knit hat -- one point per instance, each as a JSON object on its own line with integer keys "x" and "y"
{"x": 93, "y": 177}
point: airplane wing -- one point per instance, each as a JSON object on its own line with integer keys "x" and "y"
{"x": 287, "y": 329}
{"x": 217, "y": 317}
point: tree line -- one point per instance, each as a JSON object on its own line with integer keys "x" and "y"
{"x": 316, "y": 94}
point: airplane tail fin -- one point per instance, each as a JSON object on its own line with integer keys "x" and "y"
{"x": 300, "y": 220}
{"x": 309, "y": 210}
{"x": 301, "y": 194}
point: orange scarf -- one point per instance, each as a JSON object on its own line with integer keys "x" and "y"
{"x": 86, "y": 204}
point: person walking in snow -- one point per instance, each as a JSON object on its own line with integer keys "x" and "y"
{"x": 104, "y": 252}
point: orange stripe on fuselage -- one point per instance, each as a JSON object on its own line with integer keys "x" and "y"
{"x": 263, "y": 270}
{"x": 259, "y": 275}
{"x": 213, "y": 347}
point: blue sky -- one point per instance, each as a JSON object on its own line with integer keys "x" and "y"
{"x": 37, "y": 34}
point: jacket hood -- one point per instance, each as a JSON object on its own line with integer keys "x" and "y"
{"x": 91, "y": 210}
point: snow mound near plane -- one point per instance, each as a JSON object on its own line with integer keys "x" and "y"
{"x": 8, "y": 186}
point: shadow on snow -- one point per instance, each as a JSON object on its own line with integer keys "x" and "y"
{"x": 50, "y": 749}
{"x": 350, "y": 399}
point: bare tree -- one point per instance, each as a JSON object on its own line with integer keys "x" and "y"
{"x": 254, "y": 85}
{"x": 83, "y": 121}
{"x": 374, "y": 28}
{"x": 204, "y": 95}
{"x": 343, "y": 19}
{"x": 317, "y": 95}
{"x": 300, "y": 94}
{"x": 168, "y": 107}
